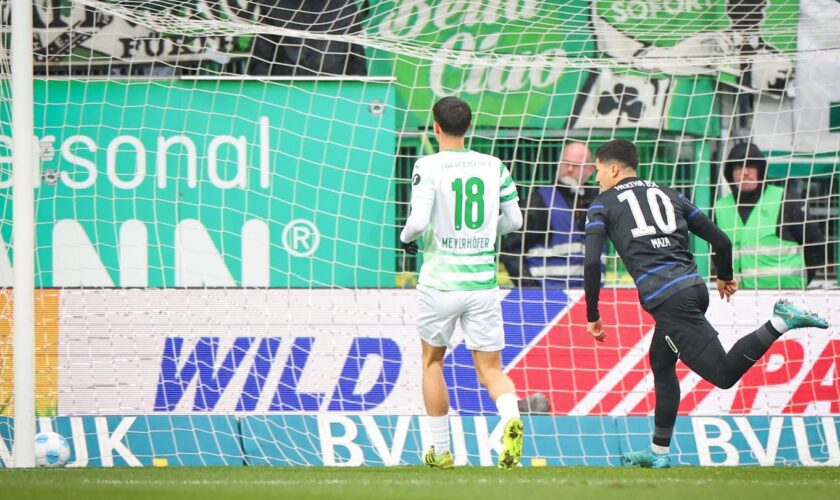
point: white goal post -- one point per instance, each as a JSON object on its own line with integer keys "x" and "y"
{"x": 23, "y": 236}
{"x": 200, "y": 234}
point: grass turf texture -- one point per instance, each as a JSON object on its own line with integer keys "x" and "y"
{"x": 403, "y": 483}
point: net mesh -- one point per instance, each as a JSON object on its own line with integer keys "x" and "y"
{"x": 223, "y": 183}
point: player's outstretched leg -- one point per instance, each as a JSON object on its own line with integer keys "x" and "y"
{"x": 647, "y": 459}
{"x": 725, "y": 369}
{"x": 443, "y": 461}
{"x": 795, "y": 317}
{"x": 512, "y": 443}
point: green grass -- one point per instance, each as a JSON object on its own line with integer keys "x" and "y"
{"x": 404, "y": 483}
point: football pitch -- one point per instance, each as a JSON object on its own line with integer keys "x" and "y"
{"x": 403, "y": 483}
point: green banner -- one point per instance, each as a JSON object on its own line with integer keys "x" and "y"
{"x": 212, "y": 183}
{"x": 504, "y": 58}
{"x": 746, "y": 44}
{"x": 667, "y": 23}
{"x": 662, "y": 23}
{"x": 523, "y": 64}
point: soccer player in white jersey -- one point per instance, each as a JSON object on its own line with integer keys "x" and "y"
{"x": 456, "y": 199}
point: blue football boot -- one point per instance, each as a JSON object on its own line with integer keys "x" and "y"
{"x": 795, "y": 317}
{"x": 647, "y": 459}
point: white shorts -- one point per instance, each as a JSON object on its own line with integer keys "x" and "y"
{"x": 480, "y": 312}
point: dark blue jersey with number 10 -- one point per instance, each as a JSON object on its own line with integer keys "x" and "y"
{"x": 648, "y": 224}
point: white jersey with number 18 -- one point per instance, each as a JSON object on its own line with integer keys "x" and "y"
{"x": 459, "y": 244}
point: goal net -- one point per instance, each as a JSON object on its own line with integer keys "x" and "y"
{"x": 222, "y": 184}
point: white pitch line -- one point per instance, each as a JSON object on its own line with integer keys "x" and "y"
{"x": 438, "y": 482}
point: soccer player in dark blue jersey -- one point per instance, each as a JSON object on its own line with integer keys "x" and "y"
{"x": 649, "y": 224}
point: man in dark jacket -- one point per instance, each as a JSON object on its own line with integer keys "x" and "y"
{"x": 776, "y": 243}
{"x": 549, "y": 250}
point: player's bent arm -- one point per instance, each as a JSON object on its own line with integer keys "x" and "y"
{"x": 510, "y": 220}
{"x": 593, "y": 246}
{"x": 421, "y": 211}
{"x": 701, "y": 225}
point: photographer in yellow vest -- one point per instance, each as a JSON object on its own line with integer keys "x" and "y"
{"x": 776, "y": 244}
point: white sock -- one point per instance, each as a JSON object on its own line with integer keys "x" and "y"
{"x": 660, "y": 450}
{"x": 779, "y": 324}
{"x": 508, "y": 406}
{"x": 440, "y": 433}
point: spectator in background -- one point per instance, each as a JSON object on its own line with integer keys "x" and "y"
{"x": 549, "y": 250}
{"x": 775, "y": 243}
{"x": 278, "y": 55}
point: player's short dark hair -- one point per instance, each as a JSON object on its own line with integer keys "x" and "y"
{"x": 619, "y": 150}
{"x": 453, "y": 115}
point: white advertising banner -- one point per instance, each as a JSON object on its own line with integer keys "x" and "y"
{"x": 222, "y": 351}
